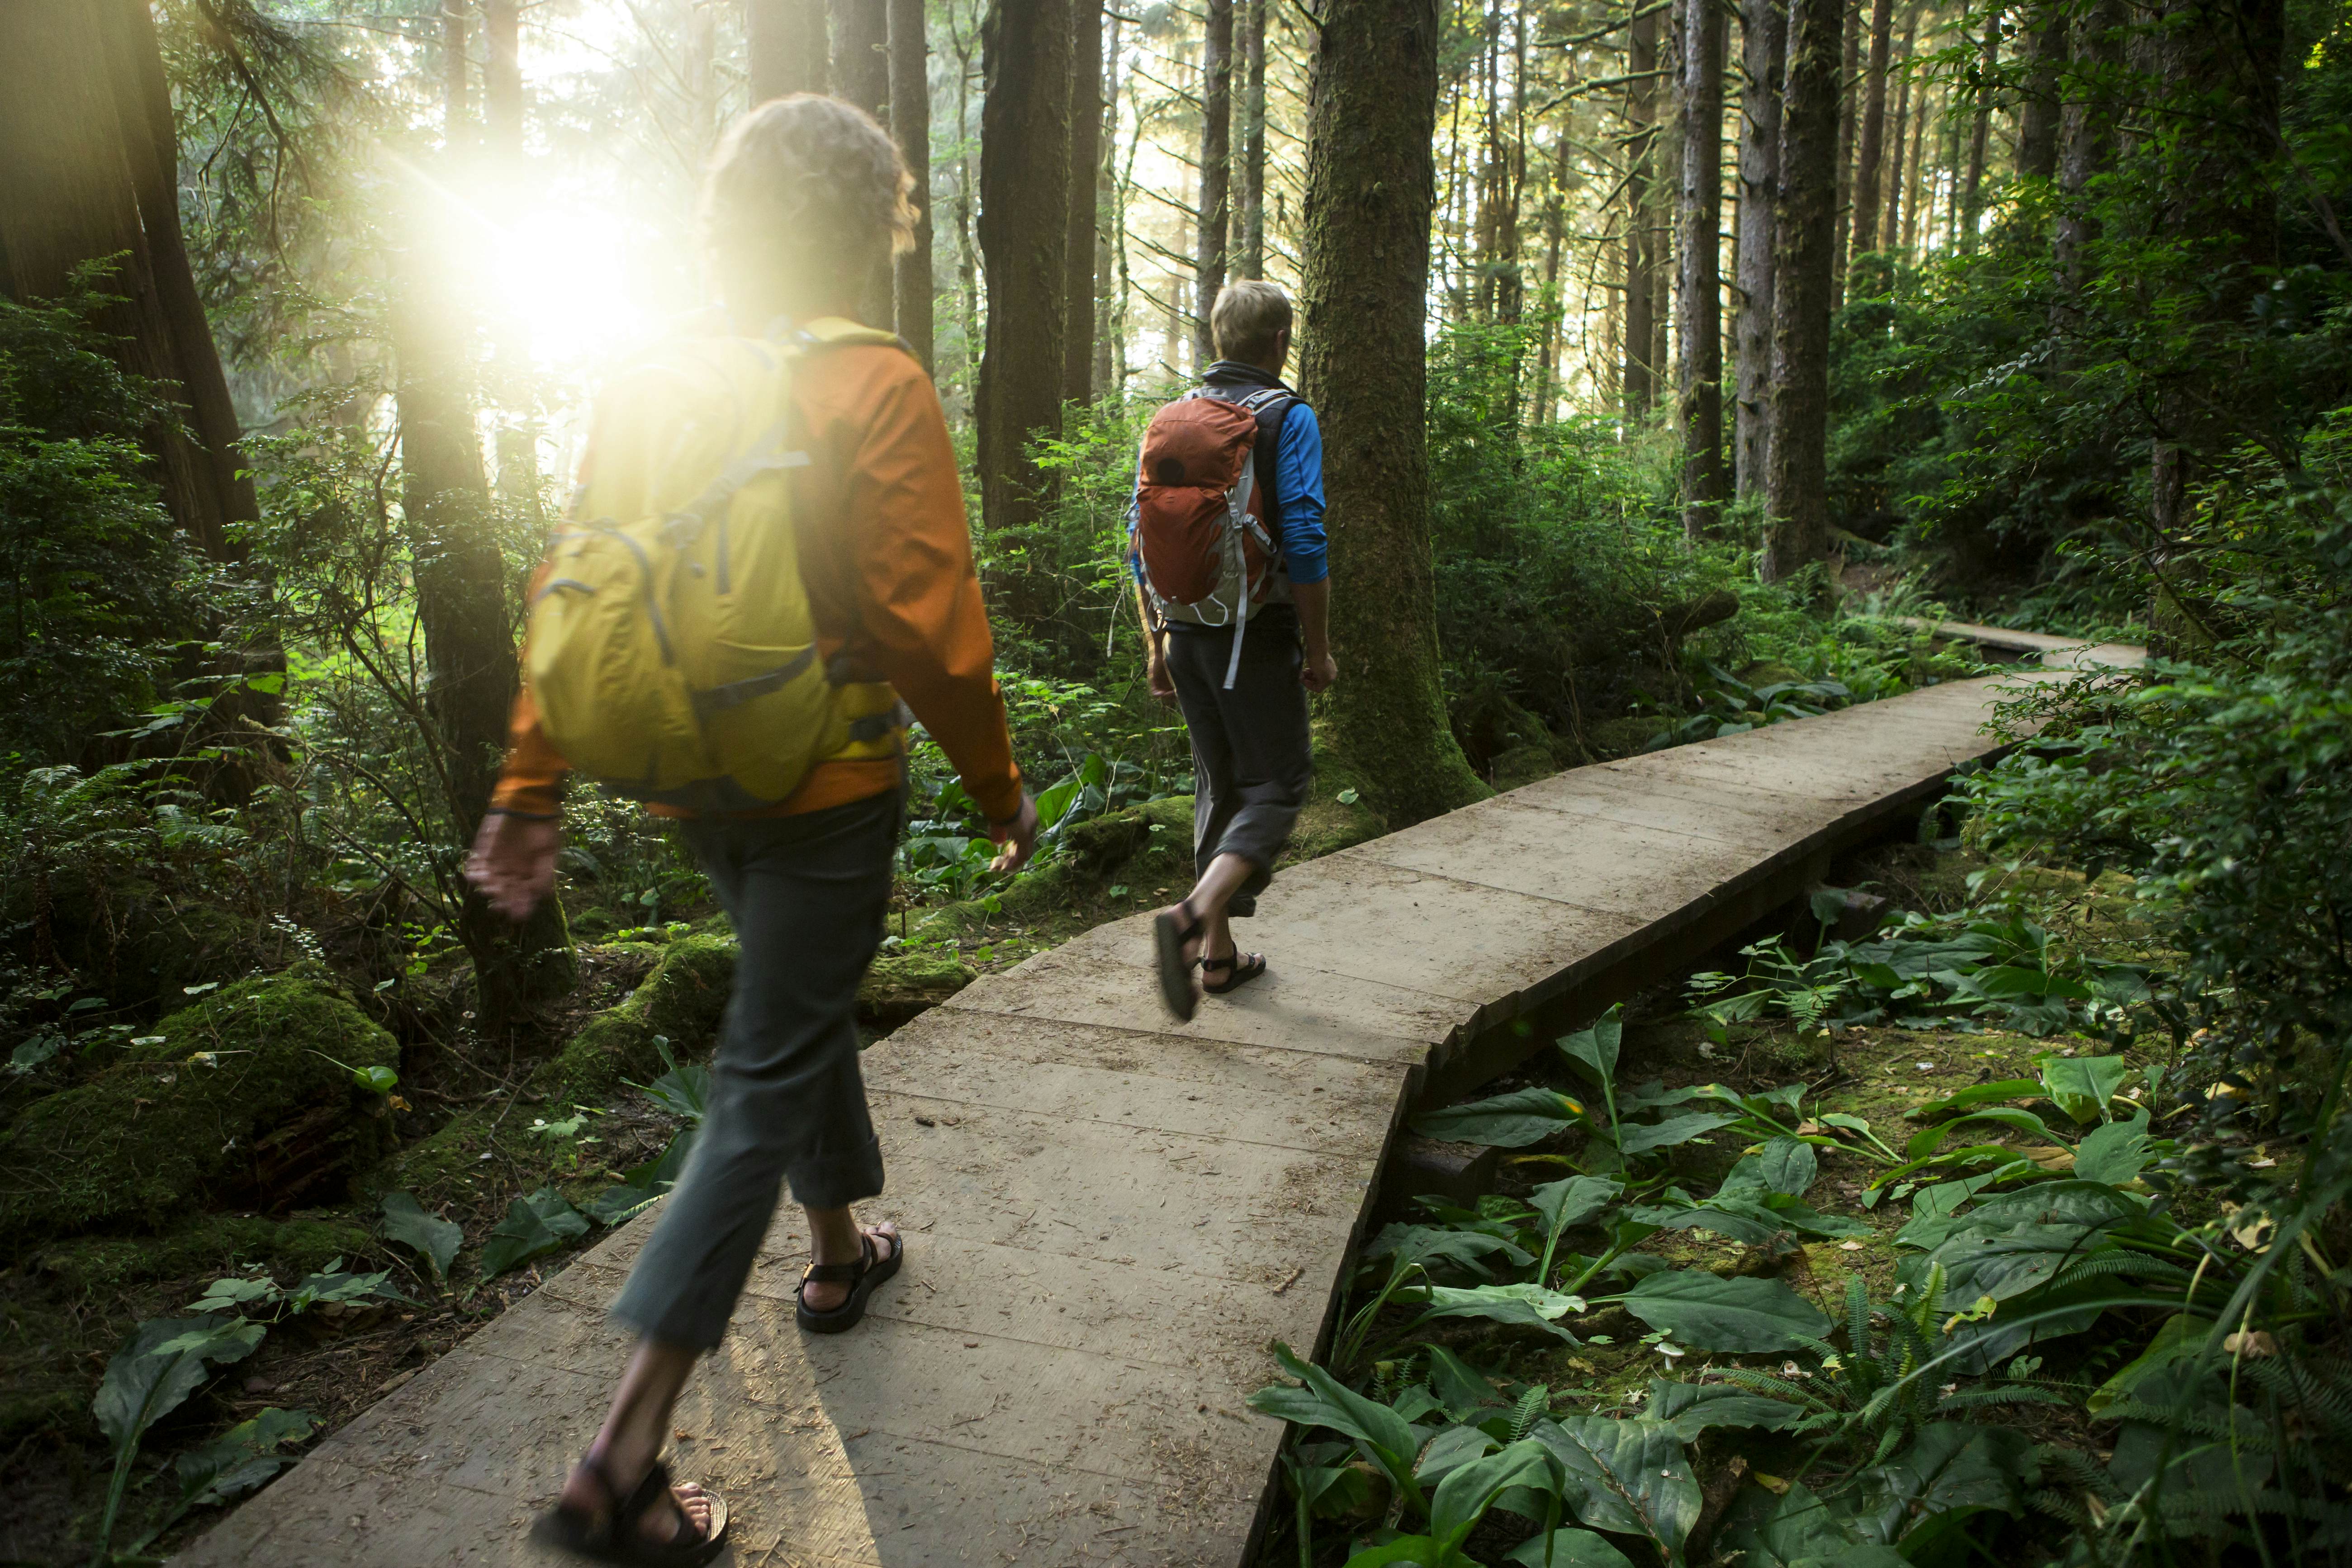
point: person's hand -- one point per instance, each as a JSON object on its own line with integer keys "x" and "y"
{"x": 1016, "y": 840}
{"x": 1317, "y": 672}
{"x": 1155, "y": 671}
{"x": 513, "y": 862}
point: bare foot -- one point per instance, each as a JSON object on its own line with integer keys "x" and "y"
{"x": 824, "y": 1295}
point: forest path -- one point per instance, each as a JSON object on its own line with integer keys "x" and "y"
{"x": 1109, "y": 1213}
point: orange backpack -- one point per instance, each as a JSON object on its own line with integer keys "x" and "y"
{"x": 1197, "y": 527}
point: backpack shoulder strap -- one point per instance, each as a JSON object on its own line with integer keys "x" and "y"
{"x": 839, "y": 331}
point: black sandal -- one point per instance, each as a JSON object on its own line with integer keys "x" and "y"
{"x": 861, "y": 1277}
{"x": 1246, "y": 967}
{"x": 1169, "y": 934}
{"x": 615, "y": 1537}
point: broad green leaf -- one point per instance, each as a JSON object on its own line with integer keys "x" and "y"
{"x": 1788, "y": 1165}
{"x": 1596, "y": 1047}
{"x": 227, "y": 1294}
{"x": 162, "y": 1362}
{"x": 1927, "y": 1140}
{"x": 1526, "y": 1306}
{"x": 1426, "y": 1244}
{"x": 683, "y": 1091}
{"x": 1568, "y": 1549}
{"x": 1725, "y": 1217}
{"x": 1626, "y": 1476}
{"x": 1455, "y": 1447}
{"x": 1462, "y": 1498}
{"x": 1934, "y": 1212}
{"x": 532, "y": 1226}
{"x": 377, "y": 1080}
{"x": 432, "y": 1238}
{"x": 1390, "y": 1440}
{"x": 657, "y": 1175}
{"x": 1794, "y": 1528}
{"x": 1950, "y": 1469}
{"x": 1510, "y": 1120}
{"x": 1462, "y": 1390}
{"x": 1574, "y": 1202}
{"x": 1976, "y": 1094}
{"x": 1708, "y": 1313}
{"x": 1640, "y": 1139}
{"x": 2114, "y": 1152}
{"x": 243, "y": 1456}
{"x": 1418, "y": 1550}
{"x": 2180, "y": 1337}
{"x": 2082, "y": 1085}
{"x": 1691, "y": 1409}
{"x": 615, "y": 1205}
{"x": 2006, "y": 1263}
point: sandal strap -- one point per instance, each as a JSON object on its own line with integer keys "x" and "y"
{"x": 843, "y": 1273}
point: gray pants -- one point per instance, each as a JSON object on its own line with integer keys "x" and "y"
{"x": 806, "y": 894}
{"x": 1252, "y": 758}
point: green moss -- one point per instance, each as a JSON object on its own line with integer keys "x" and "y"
{"x": 1614, "y": 738}
{"x": 901, "y": 985}
{"x": 264, "y": 1119}
{"x": 102, "y": 1266}
{"x": 681, "y": 1000}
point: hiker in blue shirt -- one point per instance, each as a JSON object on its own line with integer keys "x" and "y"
{"x": 1244, "y": 706}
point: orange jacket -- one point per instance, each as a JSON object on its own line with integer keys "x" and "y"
{"x": 885, "y": 553}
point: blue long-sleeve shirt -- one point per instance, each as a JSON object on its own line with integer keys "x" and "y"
{"x": 1298, "y": 491}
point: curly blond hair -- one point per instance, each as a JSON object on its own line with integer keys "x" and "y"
{"x": 810, "y": 190}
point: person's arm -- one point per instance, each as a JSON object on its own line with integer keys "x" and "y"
{"x": 1155, "y": 648}
{"x": 920, "y": 613}
{"x": 513, "y": 859}
{"x": 1299, "y": 488}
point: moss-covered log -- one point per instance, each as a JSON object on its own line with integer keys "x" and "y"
{"x": 245, "y": 1099}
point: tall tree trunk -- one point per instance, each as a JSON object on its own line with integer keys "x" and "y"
{"x": 1796, "y": 471}
{"x": 1640, "y": 378}
{"x": 2038, "y": 112}
{"x": 1979, "y": 132}
{"x": 1871, "y": 156}
{"x": 2220, "y": 64}
{"x": 502, "y": 75}
{"x": 1216, "y": 164}
{"x": 1849, "y": 82}
{"x": 1764, "y": 69}
{"x": 1253, "y": 162}
{"x": 2086, "y": 141}
{"x": 457, "y": 75}
{"x": 910, "y": 128}
{"x": 786, "y": 42}
{"x": 1085, "y": 194}
{"x": 1891, "y": 230}
{"x": 860, "y": 68}
{"x": 1110, "y": 325}
{"x": 90, "y": 169}
{"x": 1700, "y": 26}
{"x": 1555, "y": 233}
{"x": 966, "y": 193}
{"x": 1365, "y": 280}
{"x": 1024, "y": 235}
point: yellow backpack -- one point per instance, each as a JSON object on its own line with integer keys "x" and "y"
{"x": 670, "y": 647}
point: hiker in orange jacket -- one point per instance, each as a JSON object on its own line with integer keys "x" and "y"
{"x": 806, "y": 198}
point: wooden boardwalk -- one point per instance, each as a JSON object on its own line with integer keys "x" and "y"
{"x": 1110, "y": 1215}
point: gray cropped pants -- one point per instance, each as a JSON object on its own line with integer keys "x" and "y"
{"x": 1252, "y": 757}
{"x": 806, "y": 894}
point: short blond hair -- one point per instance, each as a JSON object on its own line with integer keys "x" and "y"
{"x": 809, "y": 187}
{"x": 1249, "y": 319}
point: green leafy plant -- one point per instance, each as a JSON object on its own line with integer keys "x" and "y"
{"x": 165, "y": 1361}
{"x": 535, "y": 1224}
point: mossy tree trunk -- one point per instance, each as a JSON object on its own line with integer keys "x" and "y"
{"x": 1216, "y": 167}
{"x": 1871, "y": 158}
{"x": 1640, "y": 377}
{"x": 910, "y": 127}
{"x": 1699, "y": 391}
{"x": 1085, "y": 170}
{"x": 861, "y": 75}
{"x": 1024, "y": 235}
{"x": 1371, "y": 184}
{"x": 1764, "y": 56}
{"x": 1796, "y": 468}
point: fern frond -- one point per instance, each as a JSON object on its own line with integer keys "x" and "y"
{"x": 1533, "y": 1405}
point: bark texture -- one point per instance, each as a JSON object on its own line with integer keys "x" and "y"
{"x": 1641, "y": 379}
{"x": 1252, "y": 262}
{"x": 1890, "y": 225}
{"x": 1849, "y": 75}
{"x": 2086, "y": 139}
{"x": 2038, "y": 109}
{"x": 1796, "y": 481}
{"x": 910, "y": 127}
{"x": 1764, "y": 37}
{"x": 1216, "y": 163}
{"x": 1024, "y": 234}
{"x": 1700, "y": 403}
{"x": 1086, "y": 175}
{"x": 786, "y": 42}
{"x": 1110, "y": 359}
{"x": 1979, "y": 132}
{"x": 860, "y": 69}
{"x": 1870, "y": 153}
{"x": 90, "y": 169}
{"x": 1365, "y": 275}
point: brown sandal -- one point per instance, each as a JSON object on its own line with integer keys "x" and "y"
{"x": 861, "y": 1277}
{"x": 1245, "y": 967}
{"x": 615, "y": 1538}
